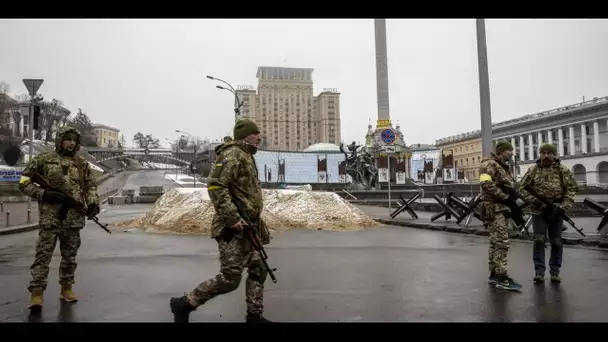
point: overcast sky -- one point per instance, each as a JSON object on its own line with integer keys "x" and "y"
{"x": 149, "y": 75}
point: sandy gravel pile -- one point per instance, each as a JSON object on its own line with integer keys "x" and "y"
{"x": 189, "y": 211}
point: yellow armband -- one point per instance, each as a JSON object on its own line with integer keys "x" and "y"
{"x": 484, "y": 177}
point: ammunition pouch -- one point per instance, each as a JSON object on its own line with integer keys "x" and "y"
{"x": 487, "y": 211}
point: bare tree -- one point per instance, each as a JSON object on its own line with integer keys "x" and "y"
{"x": 151, "y": 142}
{"x": 51, "y": 114}
{"x": 83, "y": 124}
{"x": 181, "y": 143}
{"x": 6, "y": 104}
{"x": 139, "y": 140}
{"x": 122, "y": 141}
{"x": 145, "y": 141}
{"x": 197, "y": 144}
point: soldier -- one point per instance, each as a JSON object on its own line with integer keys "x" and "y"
{"x": 497, "y": 189}
{"x": 556, "y": 184}
{"x": 235, "y": 175}
{"x": 64, "y": 169}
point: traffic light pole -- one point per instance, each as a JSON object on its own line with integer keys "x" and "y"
{"x": 32, "y": 86}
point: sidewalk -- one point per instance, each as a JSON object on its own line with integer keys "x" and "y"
{"x": 570, "y": 236}
{"x": 18, "y": 214}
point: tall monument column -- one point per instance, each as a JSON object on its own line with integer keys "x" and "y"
{"x": 387, "y": 146}
{"x": 384, "y": 118}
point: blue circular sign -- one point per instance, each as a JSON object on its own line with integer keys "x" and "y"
{"x": 388, "y": 136}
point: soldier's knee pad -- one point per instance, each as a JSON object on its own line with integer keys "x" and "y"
{"x": 228, "y": 282}
{"x": 258, "y": 274}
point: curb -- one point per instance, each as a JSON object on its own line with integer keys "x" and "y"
{"x": 14, "y": 199}
{"x": 19, "y": 229}
{"x": 568, "y": 241}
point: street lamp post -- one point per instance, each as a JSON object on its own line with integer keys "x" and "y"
{"x": 194, "y": 143}
{"x": 237, "y": 103}
{"x": 177, "y": 152}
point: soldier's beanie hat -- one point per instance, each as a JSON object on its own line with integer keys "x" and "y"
{"x": 502, "y": 146}
{"x": 243, "y": 128}
{"x": 548, "y": 148}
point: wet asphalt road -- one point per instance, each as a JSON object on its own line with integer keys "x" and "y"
{"x": 381, "y": 274}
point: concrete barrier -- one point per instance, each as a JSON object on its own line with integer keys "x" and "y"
{"x": 145, "y": 198}
{"x": 128, "y": 192}
{"x": 151, "y": 190}
{"x": 119, "y": 200}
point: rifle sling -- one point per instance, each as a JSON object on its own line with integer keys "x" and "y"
{"x": 81, "y": 179}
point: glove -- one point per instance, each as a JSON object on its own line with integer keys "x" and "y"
{"x": 53, "y": 196}
{"x": 92, "y": 211}
{"x": 559, "y": 209}
{"x": 512, "y": 195}
{"x": 506, "y": 200}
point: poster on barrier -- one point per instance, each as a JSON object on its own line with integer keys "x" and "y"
{"x": 448, "y": 175}
{"x": 400, "y": 177}
{"x": 10, "y": 175}
{"x": 322, "y": 168}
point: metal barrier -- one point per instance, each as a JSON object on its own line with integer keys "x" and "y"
{"x": 602, "y": 210}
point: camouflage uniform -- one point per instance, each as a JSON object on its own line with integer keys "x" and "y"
{"x": 556, "y": 184}
{"x": 494, "y": 177}
{"x": 235, "y": 174}
{"x": 60, "y": 168}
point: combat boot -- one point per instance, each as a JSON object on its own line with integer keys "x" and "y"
{"x": 251, "y": 318}
{"x": 67, "y": 294}
{"x": 181, "y": 309}
{"x": 36, "y": 300}
{"x": 539, "y": 278}
{"x": 555, "y": 279}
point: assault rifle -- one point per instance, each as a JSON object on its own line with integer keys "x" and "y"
{"x": 552, "y": 209}
{"x": 71, "y": 202}
{"x": 515, "y": 213}
{"x": 252, "y": 234}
